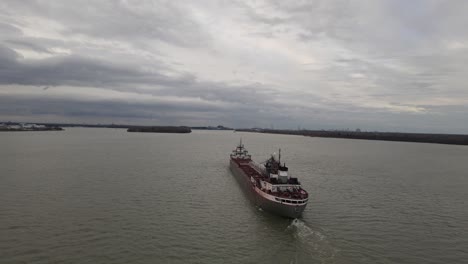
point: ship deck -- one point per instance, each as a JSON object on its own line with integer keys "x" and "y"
{"x": 245, "y": 166}
{"x": 250, "y": 171}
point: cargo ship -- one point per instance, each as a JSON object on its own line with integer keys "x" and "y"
{"x": 268, "y": 185}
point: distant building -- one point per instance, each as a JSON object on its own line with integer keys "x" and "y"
{"x": 26, "y": 126}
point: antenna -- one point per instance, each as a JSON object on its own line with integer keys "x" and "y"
{"x": 279, "y": 157}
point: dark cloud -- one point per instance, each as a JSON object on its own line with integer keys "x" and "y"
{"x": 7, "y": 56}
{"x": 20, "y": 43}
{"x": 76, "y": 71}
{"x": 8, "y": 30}
{"x": 118, "y": 111}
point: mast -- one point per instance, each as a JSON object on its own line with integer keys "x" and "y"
{"x": 279, "y": 157}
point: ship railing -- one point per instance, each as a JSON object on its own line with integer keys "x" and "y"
{"x": 287, "y": 201}
{"x": 285, "y": 185}
{"x": 296, "y": 194}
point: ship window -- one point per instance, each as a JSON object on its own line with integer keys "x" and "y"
{"x": 282, "y": 200}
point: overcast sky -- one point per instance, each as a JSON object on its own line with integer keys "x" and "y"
{"x": 375, "y": 65}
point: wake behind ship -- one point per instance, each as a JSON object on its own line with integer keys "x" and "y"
{"x": 269, "y": 186}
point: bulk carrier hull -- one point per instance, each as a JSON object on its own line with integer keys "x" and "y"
{"x": 261, "y": 199}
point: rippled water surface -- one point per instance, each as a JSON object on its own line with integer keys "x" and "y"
{"x": 107, "y": 196}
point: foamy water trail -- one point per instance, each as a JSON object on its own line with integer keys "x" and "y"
{"x": 313, "y": 241}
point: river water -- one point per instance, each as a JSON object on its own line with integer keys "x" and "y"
{"x": 87, "y": 195}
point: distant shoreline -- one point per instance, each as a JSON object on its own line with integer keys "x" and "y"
{"x": 450, "y": 139}
{"x": 30, "y": 130}
{"x": 118, "y": 126}
{"x": 160, "y": 129}
{"x": 27, "y": 127}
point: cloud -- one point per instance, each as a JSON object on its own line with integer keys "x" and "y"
{"x": 318, "y": 64}
{"x": 73, "y": 70}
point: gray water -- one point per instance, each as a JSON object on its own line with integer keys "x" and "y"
{"x": 107, "y": 196}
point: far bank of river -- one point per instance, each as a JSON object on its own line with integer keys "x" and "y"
{"x": 452, "y": 139}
